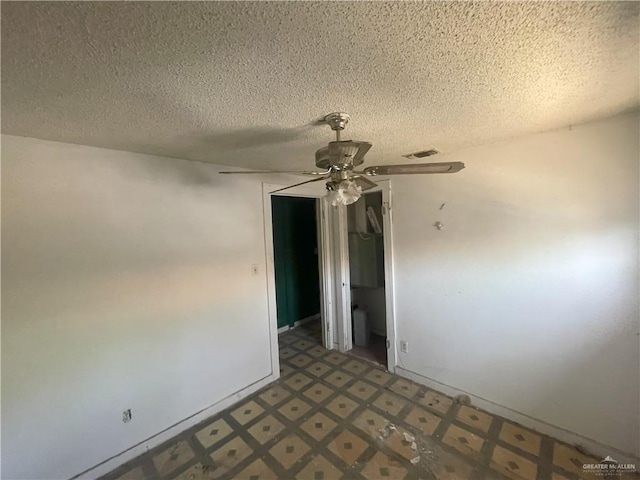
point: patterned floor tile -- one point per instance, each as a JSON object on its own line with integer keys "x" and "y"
{"x": 304, "y": 344}
{"x": 258, "y": 470}
{"x": 319, "y": 468}
{"x": 512, "y": 465}
{"x": 197, "y": 472}
{"x": 335, "y": 358}
{"x": 381, "y": 466}
{"x": 404, "y": 387}
{"x": 317, "y": 351}
{"x": 450, "y": 467}
{"x": 378, "y": 376}
{"x": 173, "y": 457}
{"x": 423, "y": 420}
{"x": 318, "y": 393}
{"x": 372, "y": 424}
{"x": 285, "y": 369}
{"x": 356, "y": 366}
{"x": 318, "y": 426}
{"x": 571, "y": 459}
{"x": 301, "y": 360}
{"x": 333, "y": 416}
{"x": 274, "y": 395}
{"x": 266, "y": 429}
{"x": 342, "y": 406}
{"x": 289, "y": 450}
{"x": 462, "y": 440}
{"x": 390, "y": 403}
{"x": 286, "y": 352}
{"x": 247, "y": 412}
{"x": 298, "y": 381}
{"x": 404, "y": 443}
{"x": 229, "y": 455}
{"x": 474, "y": 418}
{"x": 362, "y": 390}
{"x": 294, "y": 409}
{"x": 437, "y": 401}
{"x": 134, "y": 474}
{"x": 338, "y": 379}
{"x": 213, "y": 433}
{"x": 348, "y": 447}
{"x": 519, "y": 437}
{"x": 318, "y": 369}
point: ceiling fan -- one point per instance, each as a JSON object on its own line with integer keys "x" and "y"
{"x": 338, "y": 160}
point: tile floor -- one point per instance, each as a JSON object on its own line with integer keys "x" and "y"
{"x": 333, "y": 416}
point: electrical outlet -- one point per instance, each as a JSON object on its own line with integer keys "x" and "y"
{"x": 126, "y": 415}
{"x": 404, "y": 346}
{"x": 254, "y": 269}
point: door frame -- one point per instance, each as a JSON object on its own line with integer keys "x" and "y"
{"x": 333, "y": 258}
{"x": 345, "y": 330}
{"x": 325, "y": 254}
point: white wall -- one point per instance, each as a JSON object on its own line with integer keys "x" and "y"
{"x": 529, "y": 296}
{"x": 126, "y": 283}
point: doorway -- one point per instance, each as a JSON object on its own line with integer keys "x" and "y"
{"x": 295, "y": 258}
{"x": 365, "y": 228}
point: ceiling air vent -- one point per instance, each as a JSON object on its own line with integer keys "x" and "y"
{"x": 423, "y": 153}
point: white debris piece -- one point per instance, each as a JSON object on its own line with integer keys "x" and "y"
{"x": 415, "y": 460}
{"x": 408, "y": 437}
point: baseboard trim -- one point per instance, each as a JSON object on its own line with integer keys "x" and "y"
{"x": 299, "y": 322}
{"x": 590, "y": 445}
{"x": 121, "y": 458}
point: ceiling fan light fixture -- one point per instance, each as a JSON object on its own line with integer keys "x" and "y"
{"x": 346, "y": 193}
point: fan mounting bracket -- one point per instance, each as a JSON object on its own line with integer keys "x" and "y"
{"x": 337, "y": 120}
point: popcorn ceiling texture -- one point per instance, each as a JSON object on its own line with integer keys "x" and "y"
{"x": 242, "y": 83}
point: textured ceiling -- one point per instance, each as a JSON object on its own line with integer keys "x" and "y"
{"x": 242, "y": 83}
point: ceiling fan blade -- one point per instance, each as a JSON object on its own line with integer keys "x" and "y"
{"x": 298, "y": 184}
{"x": 363, "y": 182}
{"x": 423, "y": 168}
{"x": 289, "y": 172}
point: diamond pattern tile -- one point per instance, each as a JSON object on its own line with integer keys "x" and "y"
{"x": 289, "y": 450}
{"x": 258, "y": 470}
{"x": 318, "y": 426}
{"x": 348, "y": 447}
{"x": 319, "y": 468}
{"x": 228, "y": 455}
{"x": 213, "y": 433}
{"x": 173, "y": 457}
{"x": 520, "y": 437}
{"x": 423, "y": 420}
{"x": 381, "y": 466}
{"x": 463, "y": 440}
{"x": 266, "y": 429}
{"x": 294, "y": 409}
{"x": 390, "y": 403}
{"x": 338, "y": 379}
{"x": 362, "y": 390}
{"x": 247, "y": 412}
{"x": 372, "y": 424}
{"x": 513, "y": 465}
{"x": 334, "y": 416}
{"x": 571, "y": 459}
{"x": 318, "y": 369}
{"x": 404, "y": 387}
{"x": 436, "y": 401}
{"x": 317, "y": 393}
{"x": 475, "y": 418}
{"x": 274, "y": 395}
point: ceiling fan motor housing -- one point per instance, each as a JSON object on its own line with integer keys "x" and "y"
{"x": 339, "y": 155}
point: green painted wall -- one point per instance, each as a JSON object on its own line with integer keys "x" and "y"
{"x": 295, "y": 258}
